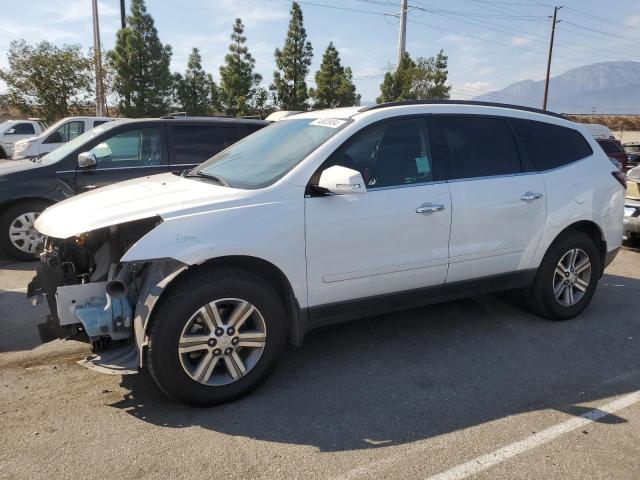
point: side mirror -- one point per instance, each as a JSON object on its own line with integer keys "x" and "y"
{"x": 11, "y": 131}
{"x": 87, "y": 160}
{"x": 342, "y": 180}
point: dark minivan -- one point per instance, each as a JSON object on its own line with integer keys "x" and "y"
{"x": 112, "y": 152}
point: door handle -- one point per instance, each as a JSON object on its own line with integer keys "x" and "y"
{"x": 530, "y": 196}
{"x": 86, "y": 188}
{"x": 429, "y": 208}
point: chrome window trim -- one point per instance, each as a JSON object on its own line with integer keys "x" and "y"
{"x": 491, "y": 177}
{"x": 408, "y": 185}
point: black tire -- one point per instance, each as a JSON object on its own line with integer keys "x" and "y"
{"x": 179, "y": 303}
{"x": 3, "y": 155}
{"x": 6, "y": 220}
{"x": 541, "y": 298}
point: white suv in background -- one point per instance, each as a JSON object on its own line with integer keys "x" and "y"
{"x": 323, "y": 217}
{"x": 56, "y": 135}
{"x": 12, "y": 131}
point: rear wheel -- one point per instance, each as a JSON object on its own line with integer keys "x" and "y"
{"x": 18, "y": 235}
{"x": 567, "y": 277}
{"x": 216, "y": 336}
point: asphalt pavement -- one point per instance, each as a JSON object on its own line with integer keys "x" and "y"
{"x": 478, "y": 388}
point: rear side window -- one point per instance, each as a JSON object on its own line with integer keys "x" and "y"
{"x": 610, "y": 147}
{"x": 99, "y": 122}
{"x": 479, "y": 146}
{"x": 24, "y": 129}
{"x": 193, "y": 144}
{"x": 551, "y": 146}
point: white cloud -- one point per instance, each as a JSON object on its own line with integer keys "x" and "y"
{"x": 633, "y": 21}
{"x": 466, "y": 90}
{"x": 520, "y": 41}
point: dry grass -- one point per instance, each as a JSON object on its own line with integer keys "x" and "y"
{"x": 614, "y": 122}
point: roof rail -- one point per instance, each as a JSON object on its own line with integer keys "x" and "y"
{"x": 460, "y": 102}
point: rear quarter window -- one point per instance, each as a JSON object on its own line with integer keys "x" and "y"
{"x": 551, "y": 146}
{"x": 610, "y": 147}
{"x": 193, "y": 144}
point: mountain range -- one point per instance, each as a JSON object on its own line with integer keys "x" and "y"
{"x": 607, "y": 87}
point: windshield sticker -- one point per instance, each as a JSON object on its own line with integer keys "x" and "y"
{"x": 328, "y": 122}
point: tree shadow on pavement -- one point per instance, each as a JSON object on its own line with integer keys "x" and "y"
{"x": 408, "y": 376}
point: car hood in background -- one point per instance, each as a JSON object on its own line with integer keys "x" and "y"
{"x": 633, "y": 175}
{"x": 157, "y": 195}
{"x": 14, "y": 166}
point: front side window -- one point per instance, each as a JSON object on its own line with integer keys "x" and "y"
{"x": 389, "y": 154}
{"x": 265, "y": 156}
{"x": 99, "y": 122}
{"x": 193, "y": 144}
{"x": 65, "y": 132}
{"x": 24, "y": 129}
{"x": 479, "y": 146}
{"x": 551, "y": 146}
{"x": 134, "y": 148}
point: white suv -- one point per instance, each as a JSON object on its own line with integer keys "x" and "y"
{"x": 323, "y": 217}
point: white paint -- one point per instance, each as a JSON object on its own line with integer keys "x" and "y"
{"x": 484, "y": 462}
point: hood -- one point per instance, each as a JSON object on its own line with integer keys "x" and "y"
{"x": 26, "y": 140}
{"x": 633, "y": 175}
{"x": 15, "y": 166}
{"x": 158, "y": 195}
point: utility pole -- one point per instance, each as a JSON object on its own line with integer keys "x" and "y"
{"x": 553, "y": 31}
{"x": 100, "y": 98}
{"x": 403, "y": 30}
{"x": 123, "y": 23}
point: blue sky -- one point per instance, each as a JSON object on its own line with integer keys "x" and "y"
{"x": 490, "y": 43}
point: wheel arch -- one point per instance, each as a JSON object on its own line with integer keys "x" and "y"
{"x": 593, "y": 230}
{"x": 265, "y": 270}
{"x": 32, "y": 198}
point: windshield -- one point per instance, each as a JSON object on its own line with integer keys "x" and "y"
{"x": 62, "y": 151}
{"x": 262, "y": 158}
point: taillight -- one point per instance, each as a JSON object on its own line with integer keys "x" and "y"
{"x": 618, "y": 175}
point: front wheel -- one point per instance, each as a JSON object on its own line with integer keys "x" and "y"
{"x": 216, "y": 336}
{"x": 18, "y": 235}
{"x": 567, "y": 277}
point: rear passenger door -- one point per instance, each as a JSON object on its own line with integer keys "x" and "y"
{"x": 498, "y": 202}
{"x": 190, "y": 145}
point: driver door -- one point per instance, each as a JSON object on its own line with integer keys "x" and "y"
{"x": 127, "y": 153}
{"x": 393, "y": 238}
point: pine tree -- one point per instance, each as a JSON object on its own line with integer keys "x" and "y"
{"x": 397, "y": 85}
{"x": 193, "y": 91}
{"x": 293, "y": 61}
{"x": 141, "y": 63}
{"x": 420, "y": 80}
{"x": 238, "y": 82}
{"x": 334, "y": 85}
{"x": 429, "y": 78}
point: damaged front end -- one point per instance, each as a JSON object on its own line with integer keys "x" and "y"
{"x": 92, "y": 295}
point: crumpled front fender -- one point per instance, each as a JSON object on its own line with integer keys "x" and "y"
{"x": 158, "y": 275}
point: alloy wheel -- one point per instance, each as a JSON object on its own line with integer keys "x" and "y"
{"x": 571, "y": 277}
{"x": 222, "y": 341}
